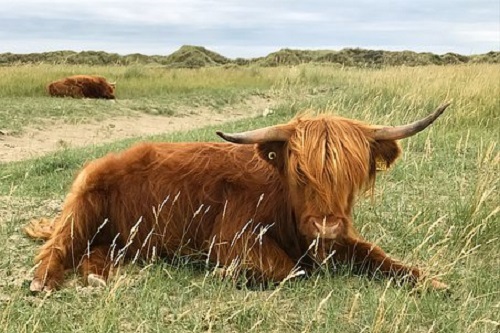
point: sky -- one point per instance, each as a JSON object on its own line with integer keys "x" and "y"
{"x": 249, "y": 28}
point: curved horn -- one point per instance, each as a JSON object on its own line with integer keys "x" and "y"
{"x": 266, "y": 134}
{"x": 404, "y": 131}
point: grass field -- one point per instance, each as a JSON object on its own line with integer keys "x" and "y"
{"x": 437, "y": 208}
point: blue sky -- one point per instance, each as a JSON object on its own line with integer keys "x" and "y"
{"x": 249, "y": 28}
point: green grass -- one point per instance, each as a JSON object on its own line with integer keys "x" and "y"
{"x": 437, "y": 208}
{"x": 137, "y": 81}
{"x": 140, "y": 89}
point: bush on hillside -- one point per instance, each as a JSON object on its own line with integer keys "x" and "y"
{"x": 189, "y": 56}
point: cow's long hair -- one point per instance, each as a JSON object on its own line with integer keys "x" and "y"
{"x": 82, "y": 86}
{"x": 229, "y": 203}
{"x": 331, "y": 156}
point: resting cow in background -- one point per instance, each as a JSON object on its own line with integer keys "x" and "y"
{"x": 82, "y": 86}
{"x": 278, "y": 200}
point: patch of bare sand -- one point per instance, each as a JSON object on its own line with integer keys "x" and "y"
{"x": 37, "y": 142}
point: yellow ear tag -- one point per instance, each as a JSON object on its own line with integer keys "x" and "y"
{"x": 380, "y": 164}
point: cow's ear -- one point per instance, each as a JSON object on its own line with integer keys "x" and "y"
{"x": 273, "y": 153}
{"x": 384, "y": 153}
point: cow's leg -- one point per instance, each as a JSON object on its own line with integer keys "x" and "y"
{"x": 260, "y": 256}
{"x": 74, "y": 231}
{"x": 370, "y": 257}
{"x": 53, "y": 260}
{"x": 96, "y": 265}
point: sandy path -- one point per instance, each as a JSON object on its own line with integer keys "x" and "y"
{"x": 36, "y": 142}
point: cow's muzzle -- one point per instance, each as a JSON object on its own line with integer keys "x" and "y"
{"x": 325, "y": 227}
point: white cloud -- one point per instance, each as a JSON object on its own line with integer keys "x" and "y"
{"x": 193, "y": 12}
{"x": 479, "y": 33}
{"x": 243, "y": 27}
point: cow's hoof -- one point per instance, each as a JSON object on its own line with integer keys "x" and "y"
{"x": 95, "y": 280}
{"x": 440, "y": 286}
{"x": 220, "y": 272}
{"x": 37, "y": 286}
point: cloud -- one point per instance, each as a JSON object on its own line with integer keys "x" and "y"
{"x": 202, "y": 13}
{"x": 243, "y": 26}
{"x": 478, "y": 33}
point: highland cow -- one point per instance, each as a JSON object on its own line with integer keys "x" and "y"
{"x": 274, "y": 201}
{"x": 82, "y": 86}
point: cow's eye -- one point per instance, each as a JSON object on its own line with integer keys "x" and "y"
{"x": 271, "y": 155}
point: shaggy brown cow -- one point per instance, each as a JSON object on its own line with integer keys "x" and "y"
{"x": 81, "y": 86}
{"x": 279, "y": 200}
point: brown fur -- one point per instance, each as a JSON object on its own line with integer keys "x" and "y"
{"x": 228, "y": 203}
{"x": 82, "y": 86}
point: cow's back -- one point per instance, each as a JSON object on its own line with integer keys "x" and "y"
{"x": 177, "y": 191}
{"x": 79, "y": 86}
{"x": 63, "y": 88}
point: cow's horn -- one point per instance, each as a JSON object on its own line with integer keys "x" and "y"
{"x": 266, "y": 134}
{"x": 404, "y": 131}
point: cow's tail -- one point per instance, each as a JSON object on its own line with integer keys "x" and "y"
{"x": 39, "y": 229}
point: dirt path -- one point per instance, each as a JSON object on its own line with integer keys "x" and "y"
{"x": 36, "y": 142}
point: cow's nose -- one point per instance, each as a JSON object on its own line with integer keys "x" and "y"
{"x": 325, "y": 227}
